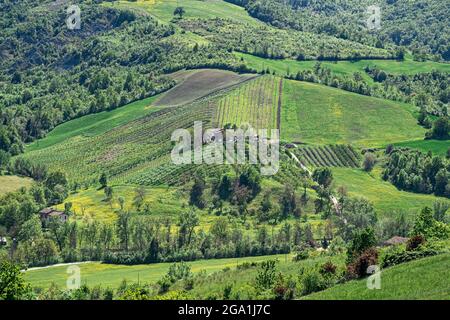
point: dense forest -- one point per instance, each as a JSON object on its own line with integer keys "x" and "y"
{"x": 422, "y": 26}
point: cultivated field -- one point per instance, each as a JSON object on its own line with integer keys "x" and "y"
{"x": 254, "y": 103}
{"x": 328, "y": 156}
{"x": 128, "y": 152}
{"x": 199, "y": 83}
{"x": 95, "y": 124}
{"x": 421, "y": 279}
{"x": 317, "y": 114}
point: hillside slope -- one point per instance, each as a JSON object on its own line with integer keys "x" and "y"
{"x": 421, "y": 279}
{"x": 343, "y": 117}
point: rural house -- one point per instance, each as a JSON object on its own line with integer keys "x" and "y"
{"x": 48, "y": 213}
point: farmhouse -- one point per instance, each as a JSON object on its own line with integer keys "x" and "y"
{"x": 48, "y": 213}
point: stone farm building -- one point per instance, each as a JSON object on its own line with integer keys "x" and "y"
{"x": 48, "y": 213}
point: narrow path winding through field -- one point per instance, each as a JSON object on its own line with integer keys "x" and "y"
{"x": 333, "y": 199}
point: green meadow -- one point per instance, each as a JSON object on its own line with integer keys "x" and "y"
{"x": 386, "y": 198}
{"x": 285, "y": 66}
{"x": 437, "y": 147}
{"x": 108, "y": 275}
{"x": 344, "y": 117}
{"x": 424, "y": 279}
{"x": 163, "y": 9}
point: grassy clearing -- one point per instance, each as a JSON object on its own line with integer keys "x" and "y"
{"x": 95, "y": 124}
{"x": 198, "y": 84}
{"x": 437, "y": 147}
{"x": 90, "y": 204}
{"x": 108, "y": 275}
{"x": 421, "y": 279}
{"x": 313, "y": 113}
{"x": 385, "y": 197}
{"x": 283, "y": 67}
{"x": 13, "y": 183}
{"x": 163, "y": 9}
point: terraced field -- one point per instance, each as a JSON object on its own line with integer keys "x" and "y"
{"x": 317, "y": 114}
{"x": 329, "y": 156}
{"x": 254, "y": 103}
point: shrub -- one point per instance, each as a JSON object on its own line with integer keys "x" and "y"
{"x": 311, "y": 281}
{"x": 414, "y": 242}
{"x": 358, "y": 268}
{"x": 369, "y": 161}
{"x": 284, "y": 288}
{"x": 328, "y": 268}
{"x": 227, "y": 291}
{"x": 266, "y": 275}
{"x": 398, "y": 254}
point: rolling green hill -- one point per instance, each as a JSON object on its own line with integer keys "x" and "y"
{"x": 318, "y": 114}
{"x": 95, "y": 124}
{"x": 163, "y": 9}
{"x": 386, "y": 198}
{"x": 424, "y": 279}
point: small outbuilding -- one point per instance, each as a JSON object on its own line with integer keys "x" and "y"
{"x": 395, "y": 241}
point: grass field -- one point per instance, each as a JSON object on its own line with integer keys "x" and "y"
{"x": 163, "y": 9}
{"x": 317, "y": 114}
{"x": 437, "y": 147}
{"x": 282, "y": 67}
{"x": 109, "y": 275}
{"x": 386, "y": 198}
{"x": 422, "y": 279}
{"x": 199, "y": 83}
{"x": 13, "y": 183}
{"x": 91, "y": 203}
{"x": 95, "y": 124}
